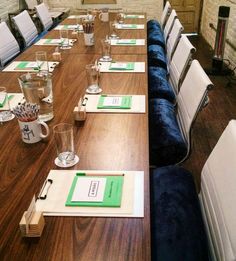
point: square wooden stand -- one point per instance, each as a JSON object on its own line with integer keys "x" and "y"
{"x": 35, "y": 227}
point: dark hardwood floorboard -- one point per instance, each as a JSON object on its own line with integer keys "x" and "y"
{"x": 213, "y": 119}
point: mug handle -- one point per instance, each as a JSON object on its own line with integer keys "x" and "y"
{"x": 43, "y": 136}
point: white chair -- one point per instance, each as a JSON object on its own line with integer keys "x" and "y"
{"x": 179, "y": 62}
{"x": 54, "y": 12}
{"x": 170, "y": 126}
{"x": 9, "y": 47}
{"x": 169, "y": 24}
{"x": 26, "y": 27}
{"x": 217, "y": 196}
{"x": 174, "y": 186}
{"x": 191, "y": 97}
{"x": 173, "y": 38}
{"x": 44, "y": 16}
{"x": 165, "y": 14}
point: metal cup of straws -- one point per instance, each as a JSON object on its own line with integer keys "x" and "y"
{"x": 38, "y": 89}
{"x": 30, "y": 125}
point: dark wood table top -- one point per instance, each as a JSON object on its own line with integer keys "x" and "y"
{"x": 105, "y": 141}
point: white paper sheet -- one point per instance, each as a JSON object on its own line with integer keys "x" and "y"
{"x": 132, "y": 204}
{"x": 130, "y": 26}
{"x": 83, "y": 192}
{"x": 70, "y": 27}
{"x": 17, "y": 98}
{"x": 77, "y": 16}
{"x": 138, "y": 67}
{"x": 55, "y": 42}
{"x": 138, "y": 42}
{"x": 12, "y": 67}
{"x": 133, "y": 16}
{"x": 137, "y": 105}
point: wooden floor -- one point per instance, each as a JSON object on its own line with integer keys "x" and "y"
{"x": 213, "y": 119}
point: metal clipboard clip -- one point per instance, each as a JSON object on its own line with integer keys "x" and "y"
{"x": 44, "y": 191}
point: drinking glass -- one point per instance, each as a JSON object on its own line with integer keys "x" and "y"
{"x": 106, "y": 50}
{"x": 120, "y": 17}
{"x": 64, "y": 141}
{"x": 113, "y": 30}
{"x": 42, "y": 62}
{"x": 64, "y": 39}
{"x": 92, "y": 73}
{"x": 5, "y": 110}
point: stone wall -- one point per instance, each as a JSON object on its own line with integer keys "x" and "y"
{"x": 210, "y": 15}
{"x": 7, "y": 6}
{"x": 153, "y": 8}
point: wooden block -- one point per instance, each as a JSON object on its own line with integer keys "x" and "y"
{"x": 35, "y": 227}
{"x": 80, "y": 115}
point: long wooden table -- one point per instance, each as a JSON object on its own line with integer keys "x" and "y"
{"x": 105, "y": 141}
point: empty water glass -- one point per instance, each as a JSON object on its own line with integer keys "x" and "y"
{"x": 106, "y": 50}
{"x": 113, "y": 30}
{"x": 120, "y": 18}
{"x": 93, "y": 75}
{"x": 64, "y": 141}
{"x": 42, "y": 62}
{"x": 64, "y": 39}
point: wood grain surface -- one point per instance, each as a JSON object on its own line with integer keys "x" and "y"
{"x": 101, "y": 31}
{"x": 105, "y": 141}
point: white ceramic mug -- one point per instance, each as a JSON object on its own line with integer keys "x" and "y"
{"x": 89, "y": 39}
{"x": 104, "y": 16}
{"x": 31, "y": 131}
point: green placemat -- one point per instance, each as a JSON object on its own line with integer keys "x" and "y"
{"x": 114, "y": 102}
{"x": 2, "y": 104}
{"x": 129, "y": 26}
{"x": 112, "y": 194}
{"x": 131, "y": 16}
{"x": 121, "y": 66}
{"x": 25, "y": 65}
{"x": 131, "y": 41}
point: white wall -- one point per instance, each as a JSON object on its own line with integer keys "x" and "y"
{"x": 210, "y": 15}
{"x": 153, "y": 8}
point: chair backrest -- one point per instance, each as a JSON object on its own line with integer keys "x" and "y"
{"x": 54, "y": 13}
{"x": 191, "y": 97}
{"x": 8, "y": 44}
{"x": 173, "y": 38}
{"x": 26, "y": 27}
{"x": 217, "y": 196}
{"x": 180, "y": 61}
{"x": 169, "y": 24}
{"x": 165, "y": 14}
{"x": 31, "y": 4}
{"x": 44, "y": 16}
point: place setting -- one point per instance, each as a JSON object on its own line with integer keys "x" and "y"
{"x": 40, "y": 65}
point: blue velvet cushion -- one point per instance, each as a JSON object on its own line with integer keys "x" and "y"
{"x": 157, "y": 38}
{"x": 41, "y": 35}
{"x": 153, "y": 24}
{"x": 166, "y": 143}
{"x": 177, "y": 230}
{"x": 158, "y": 71}
{"x": 154, "y": 28}
{"x": 156, "y": 56}
{"x": 159, "y": 87}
